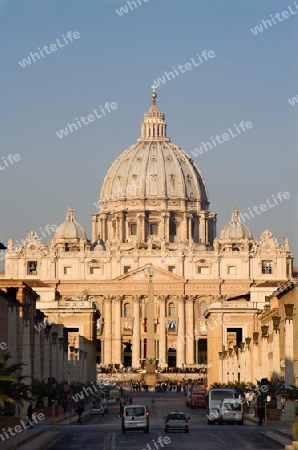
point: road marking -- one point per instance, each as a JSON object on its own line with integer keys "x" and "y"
{"x": 113, "y": 444}
{"x": 220, "y": 440}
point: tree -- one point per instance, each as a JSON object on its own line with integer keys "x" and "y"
{"x": 12, "y": 387}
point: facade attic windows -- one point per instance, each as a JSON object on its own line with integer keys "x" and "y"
{"x": 32, "y": 268}
{"x": 267, "y": 267}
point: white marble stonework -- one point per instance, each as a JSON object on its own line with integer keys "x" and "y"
{"x": 153, "y": 210}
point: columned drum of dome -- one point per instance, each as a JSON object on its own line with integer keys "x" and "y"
{"x": 154, "y": 189}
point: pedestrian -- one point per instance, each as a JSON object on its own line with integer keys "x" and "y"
{"x": 29, "y": 415}
{"x": 261, "y": 414}
{"x": 79, "y": 412}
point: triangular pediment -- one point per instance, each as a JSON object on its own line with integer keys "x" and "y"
{"x": 142, "y": 275}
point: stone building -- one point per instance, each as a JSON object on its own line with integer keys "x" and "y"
{"x": 154, "y": 218}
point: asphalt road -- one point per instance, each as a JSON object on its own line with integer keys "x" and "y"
{"x": 104, "y": 433}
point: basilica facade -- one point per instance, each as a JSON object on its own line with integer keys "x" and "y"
{"x": 154, "y": 223}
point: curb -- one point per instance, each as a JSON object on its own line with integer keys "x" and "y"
{"x": 26, "y": 440}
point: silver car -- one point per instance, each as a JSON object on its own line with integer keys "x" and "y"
{"x": 97, "y": 409}
{"x": 177, "y": 420}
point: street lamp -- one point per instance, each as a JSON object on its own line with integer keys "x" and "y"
{"x": 276, "y": 321}
{"x": 247, "y": 342}
{"x": 264, "y": 330}
{"x": 255, "y": 337}
{"x": 289, "y": 310}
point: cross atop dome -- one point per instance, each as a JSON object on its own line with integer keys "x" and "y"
{"x": 235, "y": 215}
{"x": 154, "y": 125}
{"x": 70, "y": 214}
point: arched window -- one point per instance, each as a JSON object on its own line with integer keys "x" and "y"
{"x": 127, "y": 310}
{"x": 172, "y": 310}
{"x": 203, "y": 307}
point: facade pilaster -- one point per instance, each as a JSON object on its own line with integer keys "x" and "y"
{"x": 136, "y": 332}
{"x": 108, "y": 331}
{"x": 162, "y": 332}
{"x": 289, "y": 354}
{"x": 117, "y": 333}
{"x": 181, "y": 332}
{"x": 189, "y": 330}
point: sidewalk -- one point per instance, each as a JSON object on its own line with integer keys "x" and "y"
{"x": 278, "y": 431}
{"x": 38, "y": 438}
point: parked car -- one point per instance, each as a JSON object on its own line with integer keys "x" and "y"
{"x": 177, "y": 420}
{"x": 97, "y": 409}
{"x": 112, "y": 401}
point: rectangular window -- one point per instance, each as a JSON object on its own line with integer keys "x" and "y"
{"x": 126, "y": 269}
{"x": 171, "y": 269}
{"x": 172, "y": 229}
{"x": 32, "y": 268}
{"x": 95, "y": 270}
{"x": 203, "y": 270}
{"x": 153, "y": 229}
{"x": 67, "y": 270}
{"x": 231, "y": 270}
{"x": 267, "y": 267}
{"x": 172, "y": 311}
{"x": 133, "y": 229}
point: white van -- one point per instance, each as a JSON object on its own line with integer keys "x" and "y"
{"x": 230, "y": 411}
{"x": 135, "y": 417}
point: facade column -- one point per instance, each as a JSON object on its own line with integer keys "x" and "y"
{"x": 162, "y": 332}
{"x": 189, "y": 330}
{"x": 183, "y": 228}
{"x": 206, "y": 228}
{"x": 108, "y": 331}
{"x": 104, "y": 227}
{"x": 181, "y": 332}
{"x": 118, "y": 341}
{"x": 136, "y": 333}
{"x": 141, "y": 227}
{"x": 255, "y": 357}
{"x": 167, "y": 227}
{"x": 94, "y": 228}
{"x": 121, "y": 225}
{"x": 163, "y": 226}
{"x": 289, "y": 354}
{"x": 151, "y": 354}
{"x": 202, "y": 234}
{"x": 276, "y": 353}
{"x": 264, "y": 363}
{"x": 190, "y": 228}
{"x": 37, "y": 355}
{"x": 12, "y": 338}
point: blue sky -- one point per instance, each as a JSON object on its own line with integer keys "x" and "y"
{"x": 116, "y": 59}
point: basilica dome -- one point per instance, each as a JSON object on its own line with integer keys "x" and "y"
{"x": 70, "y": 229}
{"x": 235, "y": 229}
{"x": 154, "y": 168}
